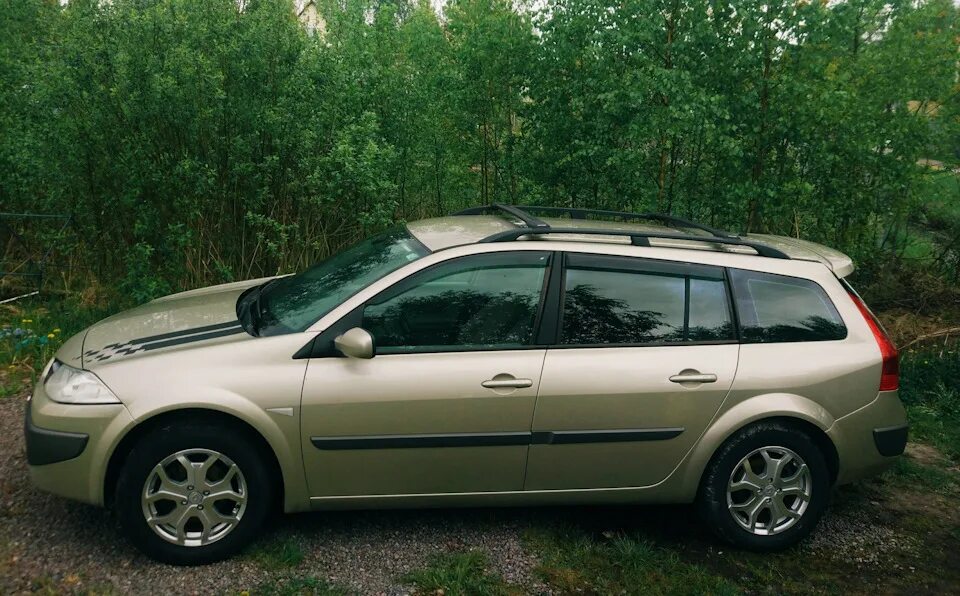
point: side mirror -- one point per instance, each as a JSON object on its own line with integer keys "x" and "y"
{"x": 355, "y": 343}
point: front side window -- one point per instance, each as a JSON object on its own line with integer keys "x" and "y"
{"x": 294, "y": 303}
{"x": 778, "y": 308}
{"x": 618, "y": 300}
{"x": 479, "y": 302}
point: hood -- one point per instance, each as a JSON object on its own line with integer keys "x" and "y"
{"x": 176, "y": 321}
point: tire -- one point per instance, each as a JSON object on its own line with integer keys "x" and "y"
{"x": 780, "y": 516}
{"x": 224, "y": 463}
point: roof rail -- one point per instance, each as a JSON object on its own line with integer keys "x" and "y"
{"x": 639, "y": 238}
{"x": 533, "y": 225}
{"x": 518, "y": 212}
{"x": 575, "y": 213}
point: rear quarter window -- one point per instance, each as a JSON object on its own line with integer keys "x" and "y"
{"x": 779, "y": 308}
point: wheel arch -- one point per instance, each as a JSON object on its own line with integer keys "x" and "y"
{"x": 818, "y": 435}
{"x": 193, "y": 414}
{"x": 797, "y": 412}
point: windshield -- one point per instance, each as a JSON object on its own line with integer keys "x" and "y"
{"x": 296, "y": 302}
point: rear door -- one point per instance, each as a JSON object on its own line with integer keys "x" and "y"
{"x": 644, "y": 354}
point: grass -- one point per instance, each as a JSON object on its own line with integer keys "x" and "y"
{"x": 297, "y": 586}
{"x": 930, "y": 391}
{"x": 459, "y": 574}
{"x": 928, "y": 424}
{"x": 916, "y": 475}
{"x": 282, "y": 552}
{"x": 574, "y": 561}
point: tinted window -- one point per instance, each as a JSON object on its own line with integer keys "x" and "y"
{"x": 709, "y": 311}
{"x": 778, "y": 308}
{"x": 480, "y": 302}
{"x": 613, "y": 300}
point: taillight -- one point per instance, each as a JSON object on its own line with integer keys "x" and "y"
{"x": 890, "y": 372}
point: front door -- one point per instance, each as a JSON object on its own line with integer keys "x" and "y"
{"x": 446, "y": 403}
{"x": 645, "y": 354}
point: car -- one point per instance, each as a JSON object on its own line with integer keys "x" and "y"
{"x": 503, "y": 355}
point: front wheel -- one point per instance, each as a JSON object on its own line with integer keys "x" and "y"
{"x": 193, "y": 493}
{"x": 766, "y": 488}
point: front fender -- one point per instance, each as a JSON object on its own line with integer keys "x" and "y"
{"x": 280, "y": 431}
{"x": 254, "y": 380}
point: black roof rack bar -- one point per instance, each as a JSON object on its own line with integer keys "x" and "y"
{"x": 527, "y": 219}
{"x": 576, "y": 213}
{"x": 639, "y": 238}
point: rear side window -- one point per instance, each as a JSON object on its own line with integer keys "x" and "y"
{"x": 778, "y": 308}
{"x": 619, "y": 300}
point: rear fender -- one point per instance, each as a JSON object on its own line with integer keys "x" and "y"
{"x": 744, "y": 413}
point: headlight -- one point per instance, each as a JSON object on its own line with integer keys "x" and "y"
{"x": 68, "y": 385}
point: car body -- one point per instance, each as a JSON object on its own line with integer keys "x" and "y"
{"x": 556, "y": 388}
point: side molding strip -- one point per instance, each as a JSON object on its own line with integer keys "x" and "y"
{"x": 561, "y": 437}
{"x": 568, "y": 437}
{"x": 421, "y": 441}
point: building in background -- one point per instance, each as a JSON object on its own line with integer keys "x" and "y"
{"x": 309, "y": 15}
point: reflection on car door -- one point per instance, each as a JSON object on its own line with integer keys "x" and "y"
{"x": 446, "y": 404}
{"x": 645, "y": 353}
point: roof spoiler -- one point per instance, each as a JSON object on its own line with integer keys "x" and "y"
{"x": 804, "y": 250}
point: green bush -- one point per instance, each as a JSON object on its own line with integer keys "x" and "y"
{"x": 197, "y": 141}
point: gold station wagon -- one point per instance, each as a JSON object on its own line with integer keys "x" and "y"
{"x": 501, "y": 356}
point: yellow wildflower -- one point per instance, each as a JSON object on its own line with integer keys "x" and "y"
{"x": 50, "y": 335}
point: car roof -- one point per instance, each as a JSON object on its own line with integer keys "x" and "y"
{"x": 440, "y": 233}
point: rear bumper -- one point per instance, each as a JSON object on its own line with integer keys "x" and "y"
{"x": 870, "y": 439}
{"x": 891, "y": 440}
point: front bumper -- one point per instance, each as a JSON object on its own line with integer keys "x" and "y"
{"x": 69, "y": 445}
{"x": 870, "y": 439}
{"x": 51, "y": 446}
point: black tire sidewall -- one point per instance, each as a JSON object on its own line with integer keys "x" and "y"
{"x": 167, "y": 440}
{"x": 712, "y": 499}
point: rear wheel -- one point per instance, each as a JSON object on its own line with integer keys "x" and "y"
{"x": 193, "y": 493}
{"x": 766, "y": 488}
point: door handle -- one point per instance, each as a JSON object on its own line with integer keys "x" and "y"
{"x": 507, "y": 383}
{"x": 693, "y": 377}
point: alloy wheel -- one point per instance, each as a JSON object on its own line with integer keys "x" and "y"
{"x": 769, "y": 490}
{"x": 194, "y": 497}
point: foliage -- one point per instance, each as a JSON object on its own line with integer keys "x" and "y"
{"x": 31, "y": 331}
{"x": 197, "y": 141}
